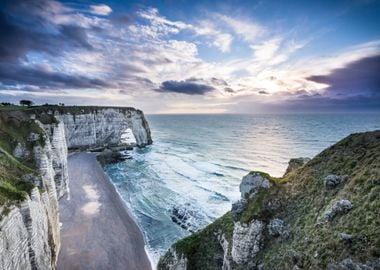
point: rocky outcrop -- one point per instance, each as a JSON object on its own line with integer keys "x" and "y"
{"x": 251, "y": 183}
{"x": 338, "y": 208}
{"x": 246, "y": 241}
{"x": 103, "y": 126}
{"x": 332, "y": 180}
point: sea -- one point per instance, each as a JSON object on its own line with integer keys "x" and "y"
{"x": 193, "y": 169}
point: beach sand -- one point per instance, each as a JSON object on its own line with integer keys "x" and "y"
{"x": 97, "y": 230}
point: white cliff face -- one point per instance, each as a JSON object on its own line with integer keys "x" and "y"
{"x": 30, "y": 233}
{"x": 56, "y": 133}
{"x": 246, "y": 241}
{"x": 104, "y": 126}
{"x": 14, "y": 242}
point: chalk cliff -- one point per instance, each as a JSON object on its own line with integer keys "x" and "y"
{"x": 33, "y": 165}
{"x": 98, "y": 126}
{"x": 322, "y": 214}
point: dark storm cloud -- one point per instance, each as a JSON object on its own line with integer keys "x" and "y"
{"x": 359, "y": 78}
{"x": 14, "y": 74}
{"x": 25, "y": 27}
{"x": 263, "y": 92}
{"x": 188, "y": 87}
{"x": 218, "y": 82}
{"x": 229, "y": 90}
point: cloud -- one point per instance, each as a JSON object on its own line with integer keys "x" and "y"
{"x": 219, "y": 39}
{"x": 188, "y": 87}
{"x": 263, "y": 92}
{"x": 101, "y": 9}
{"x": 42, "y": 77}
{"x": 267, "y": 49}
{"x": 247, "y": 30}
{"x": 19, "y": 36}
{"x": 358, "y": 78}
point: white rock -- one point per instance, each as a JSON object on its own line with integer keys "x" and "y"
{"x": 251, "y": 183}
{"x": 246, "y": 241}
{"x": 339, "y": 207}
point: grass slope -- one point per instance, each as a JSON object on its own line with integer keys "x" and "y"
{"x": 15, "y": 128}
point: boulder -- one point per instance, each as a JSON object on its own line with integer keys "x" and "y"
{"x": 276, "y": 227}
{"x": 252, "y": 183}
{"x": 340, "y": 207}
{"x": 332, "y": 180}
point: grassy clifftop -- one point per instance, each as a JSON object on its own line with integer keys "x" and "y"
{"x": 17, "y": 130}
{"x": 301, "y": 200}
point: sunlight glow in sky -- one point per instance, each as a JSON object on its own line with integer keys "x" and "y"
{"x": 193, "y": 56}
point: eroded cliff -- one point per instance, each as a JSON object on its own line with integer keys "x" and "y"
{"x": 33, "y": 166}
{"x": 322, "y": 214}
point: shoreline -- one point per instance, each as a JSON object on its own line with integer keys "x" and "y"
{"x": 129, "y": 212}
{"x": 98, "y": 230}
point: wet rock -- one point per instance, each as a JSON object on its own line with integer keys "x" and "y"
{"x": 332, "y": 180}
{"x": 251, "y": 183}
{"x": 276, "y": 227}
{"x": 296, "y": 163}
{"x": 110, "y": 157}
{"x": 340, "y": 207}
{"x": 246, "y": 241}
{"x": 238, "y": 208}
{"x": 185, "y": 217}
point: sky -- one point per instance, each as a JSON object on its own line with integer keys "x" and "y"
{"x": 193, "y": 56}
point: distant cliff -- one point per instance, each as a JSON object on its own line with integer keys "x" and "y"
{"x": 33, "y": 166}
{"x": 322, "y": 214}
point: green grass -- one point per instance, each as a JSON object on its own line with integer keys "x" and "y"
{"x": 15, "y": 128}
{"x": 12, "y": 187}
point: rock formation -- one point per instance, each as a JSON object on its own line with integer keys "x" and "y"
{"x": 33, "y": 162}
{"x": 300, "y": 220}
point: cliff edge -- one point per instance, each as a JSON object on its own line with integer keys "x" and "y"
{"x": 33, "y": 163}
{"x": 322, "y": 214}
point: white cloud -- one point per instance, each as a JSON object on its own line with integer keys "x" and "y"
{"x": 219, "y": 39}
{"x": 101, "y": 9}
{"x": 248, "y": 30}
{"x": 267, "y": 49}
